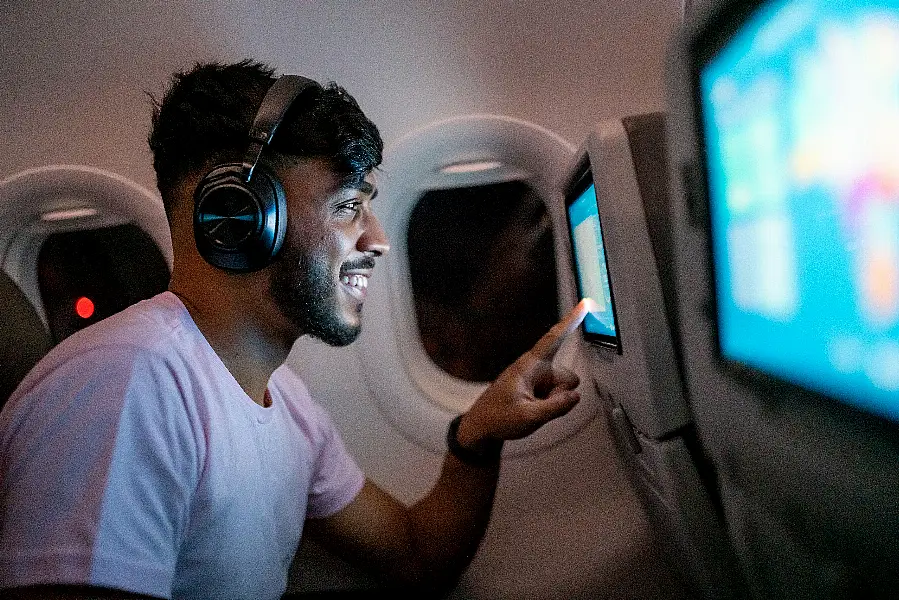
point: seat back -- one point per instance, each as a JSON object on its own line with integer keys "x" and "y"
{"x": 643, "y": 382}
{"x": 24, "y": 339}
{"x": 780, "y": 203}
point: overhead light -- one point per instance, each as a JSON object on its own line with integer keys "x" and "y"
{"x": 69, "y": 214}
{"x": 471, "y": 167}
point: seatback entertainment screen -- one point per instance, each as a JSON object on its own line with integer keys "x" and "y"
{"x": 800, "y": 115}
{"x": 600, "y": 327}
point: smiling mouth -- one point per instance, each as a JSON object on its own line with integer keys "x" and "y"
{"x": 356, "y": 284}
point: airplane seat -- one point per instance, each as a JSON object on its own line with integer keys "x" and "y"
{"x": 23, "y": 337}
{"x": 783, "y": 166}
{"x": 640, "y": 375}
{"x": 647, "y": 140}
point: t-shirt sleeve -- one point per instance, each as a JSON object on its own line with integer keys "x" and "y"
{"x": 99, "y": 461}
{"x": 336, "y": 478}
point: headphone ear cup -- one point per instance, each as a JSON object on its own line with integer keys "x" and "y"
{"x": 239, "y": 226}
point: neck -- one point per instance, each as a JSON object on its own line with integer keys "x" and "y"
{"x": 246, "y": 338}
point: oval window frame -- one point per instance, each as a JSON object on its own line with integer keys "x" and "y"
{"x": 415, "y": 395}
{"x": 27, "y": 195}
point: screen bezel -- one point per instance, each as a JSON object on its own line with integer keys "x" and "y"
{"x": 579, "y": 183}
{"x": 723, "y": 22}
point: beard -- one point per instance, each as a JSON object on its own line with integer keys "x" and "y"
{"x": 306, "y": 293}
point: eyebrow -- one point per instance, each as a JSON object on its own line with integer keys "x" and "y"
{"x": 367, "y": 188}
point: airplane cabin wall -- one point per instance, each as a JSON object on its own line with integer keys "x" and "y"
{"x": 75, "y": 73}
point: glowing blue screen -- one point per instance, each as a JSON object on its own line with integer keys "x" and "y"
{"x": 801, "y": 118}
{"x": 590, "y": 260}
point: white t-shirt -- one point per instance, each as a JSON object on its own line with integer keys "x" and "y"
{"x": 131, "y": 458}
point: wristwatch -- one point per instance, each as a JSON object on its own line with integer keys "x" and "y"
{"x": 487, "y": 455}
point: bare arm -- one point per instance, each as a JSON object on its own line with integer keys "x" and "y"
{"x": 426, "y": 547}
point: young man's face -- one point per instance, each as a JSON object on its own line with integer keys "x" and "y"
{"x": 319, "y": 280}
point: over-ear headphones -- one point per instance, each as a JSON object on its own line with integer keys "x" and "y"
{"x": 240, "y": 210}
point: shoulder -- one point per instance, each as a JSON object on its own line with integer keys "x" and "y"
{"x": 336, "y": 477}
{"x": 147, "y": 335}
{"x": 114, "y": 388}
{"x": 95, "y": 389}
{"x": 131, "y": 365}
{"x": 152, "y": 325}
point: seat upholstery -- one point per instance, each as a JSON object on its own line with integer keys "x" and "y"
{"x": 23, "y": 337}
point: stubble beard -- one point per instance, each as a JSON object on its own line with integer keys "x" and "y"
{"x": 306, "y": 293}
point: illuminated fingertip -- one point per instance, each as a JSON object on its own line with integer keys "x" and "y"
{"x": 591, "y": 305}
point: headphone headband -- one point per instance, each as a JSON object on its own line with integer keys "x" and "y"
{"x": 277, "y": 101}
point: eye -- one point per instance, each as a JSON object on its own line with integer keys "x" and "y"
{"x": 348, "y": 209}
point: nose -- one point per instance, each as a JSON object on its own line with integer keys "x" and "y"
{"x": 373, "y": 240}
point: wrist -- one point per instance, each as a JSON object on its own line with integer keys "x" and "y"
{"x": 476, "y": 452}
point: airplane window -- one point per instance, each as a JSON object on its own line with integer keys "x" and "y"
{"x": 86, "y": 276}
{"x": 483, "y": 276}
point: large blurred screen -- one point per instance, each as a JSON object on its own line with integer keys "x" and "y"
{"x": 801, "y": 119}
{"x": 590, "y": 262}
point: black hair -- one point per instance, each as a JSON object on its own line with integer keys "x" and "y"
{"x": 204, "y": 119}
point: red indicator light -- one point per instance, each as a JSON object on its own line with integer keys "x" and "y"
{"x": 84, "y": 307}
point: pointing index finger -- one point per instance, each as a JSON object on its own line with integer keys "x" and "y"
{"x": 547, "y": 346}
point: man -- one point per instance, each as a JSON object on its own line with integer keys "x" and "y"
{"x": 165, "y": 453}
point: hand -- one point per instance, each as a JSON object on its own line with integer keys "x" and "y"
{"x": 528, "y": 394}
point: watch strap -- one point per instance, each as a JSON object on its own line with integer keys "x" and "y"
{"x": 488, "y": 455}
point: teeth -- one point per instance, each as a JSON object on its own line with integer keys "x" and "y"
{"x": 356, "y": 281}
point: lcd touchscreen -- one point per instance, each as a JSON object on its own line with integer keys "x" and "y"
{"x": 801, "y": 123}
{"x": 591, "y": 270}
